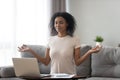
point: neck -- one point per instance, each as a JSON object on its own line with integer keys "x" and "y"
{"x": 62, "y": 34}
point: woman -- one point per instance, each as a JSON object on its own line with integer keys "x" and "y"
{"x": 63, "y": 49}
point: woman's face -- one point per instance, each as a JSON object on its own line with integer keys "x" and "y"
{"x": 60, "y": 25}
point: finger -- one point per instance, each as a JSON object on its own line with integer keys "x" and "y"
{"x": 24, "y": 45}
{"x": 97, "y": 47}
{"x": 94, "y": 48}
{"x": 100, "y": 47}
{"x": 19, "y": 48}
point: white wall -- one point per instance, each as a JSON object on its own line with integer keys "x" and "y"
{"x": 96, "y": 17}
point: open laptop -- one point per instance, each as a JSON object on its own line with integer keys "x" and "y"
{"x": 27, "y": 68}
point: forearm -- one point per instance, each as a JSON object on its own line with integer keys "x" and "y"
{"x": 89, "y": 52}
{"x": 40, "y": 59}
{"x": 83, "y": 58}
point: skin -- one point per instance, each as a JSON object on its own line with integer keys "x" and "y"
{"x": 61, "y": 27}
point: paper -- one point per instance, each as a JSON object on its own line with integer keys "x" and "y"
{"x": 62, "y": 75}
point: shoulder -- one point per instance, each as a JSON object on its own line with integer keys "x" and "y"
{"x": 51, "y": 38}
{"x": 75, "y": 37}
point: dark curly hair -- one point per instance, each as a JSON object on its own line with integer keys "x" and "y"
{"x": 69, "y": 19}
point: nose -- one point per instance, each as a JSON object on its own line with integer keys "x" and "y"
{"x": 57, "y": 25}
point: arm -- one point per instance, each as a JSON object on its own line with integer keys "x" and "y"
{"x": 45, "y": 60}
{"x": 79, "y": 59}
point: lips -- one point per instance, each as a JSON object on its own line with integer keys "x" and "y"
{"x": 58, "y": 29}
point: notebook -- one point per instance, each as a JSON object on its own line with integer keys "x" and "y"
{"x": 27, "y": 68}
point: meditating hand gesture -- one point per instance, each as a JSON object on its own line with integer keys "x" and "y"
{"x": 24, "y": 48}
{"x": 95, "y": 49}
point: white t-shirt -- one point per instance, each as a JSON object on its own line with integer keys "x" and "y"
{"x": 61, "y": 54}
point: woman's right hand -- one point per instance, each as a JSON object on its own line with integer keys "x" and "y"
{"x": 24, "y": 48}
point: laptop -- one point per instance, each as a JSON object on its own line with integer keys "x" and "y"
{"x": 27, "y": 68}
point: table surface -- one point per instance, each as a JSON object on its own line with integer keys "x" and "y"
{"x": 51, "y": 78}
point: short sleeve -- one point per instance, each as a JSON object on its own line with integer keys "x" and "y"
{"x": 48, "y": 43}
{"x": 77, "y": 42}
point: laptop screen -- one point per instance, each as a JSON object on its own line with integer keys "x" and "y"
{"x": 26, "y": 67}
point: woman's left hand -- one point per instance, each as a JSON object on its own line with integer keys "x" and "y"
{"x": 95, "y": 49}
